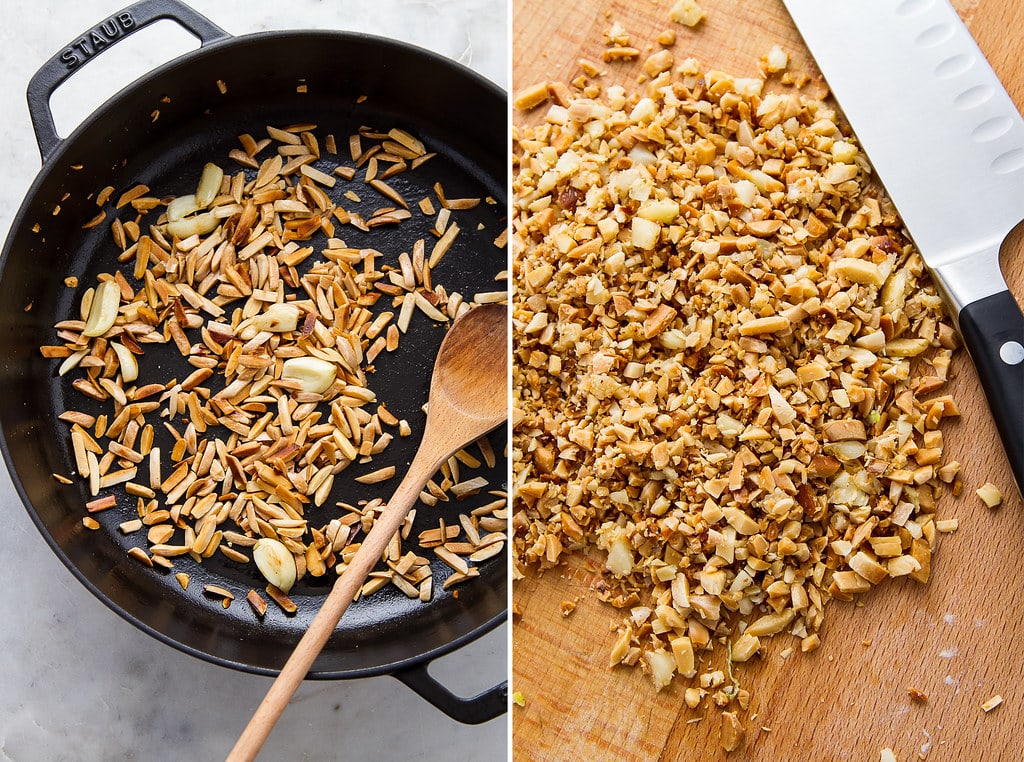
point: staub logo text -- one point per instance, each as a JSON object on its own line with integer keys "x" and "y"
{"x": 93, "y": 41}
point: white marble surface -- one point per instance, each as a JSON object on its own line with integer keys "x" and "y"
{"x": 76, "y": 681}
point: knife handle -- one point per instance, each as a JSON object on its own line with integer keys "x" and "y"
{"x": 993, "y": 331}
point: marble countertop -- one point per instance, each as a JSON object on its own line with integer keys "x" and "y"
{"x": 76, "y": 681}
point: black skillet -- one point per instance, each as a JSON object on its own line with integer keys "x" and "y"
{"x": 278, "y": 79}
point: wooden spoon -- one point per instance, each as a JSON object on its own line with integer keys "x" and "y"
{"x": 468, "y": 398}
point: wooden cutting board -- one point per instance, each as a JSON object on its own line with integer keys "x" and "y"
{"x": 957, "y": 639}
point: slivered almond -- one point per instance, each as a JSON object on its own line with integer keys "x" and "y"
{"x": 101, "y": 504}
{"x": 452, "y": 560}
{"x": 259, "y": 606}
{"x": 282, "y": 600}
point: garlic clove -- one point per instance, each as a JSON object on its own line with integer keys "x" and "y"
{"x": 275, "y": 563}
{"x": 315, "y": 375}
{"x": 103, "y": 310}
{"x": 209, "y": 185}
{"x": 277, "y": 318}
{"x": 181, "y": 207}
{"x": 129, "y": 365}
{"x": 201, "y": 224}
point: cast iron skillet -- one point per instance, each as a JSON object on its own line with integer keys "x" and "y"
{"x": 456, "y": 113}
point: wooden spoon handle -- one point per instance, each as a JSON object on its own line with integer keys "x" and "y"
{"x": 334, "y": 606}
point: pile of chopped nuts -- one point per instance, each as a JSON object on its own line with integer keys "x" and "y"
{"x": 728, "y": 366}
{"x": 280, "y": 341}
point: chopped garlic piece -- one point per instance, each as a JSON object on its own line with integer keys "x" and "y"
{"x": 686, "y": 12}
{"x": 990, "y": 494}
{"x": 776, "y": 60}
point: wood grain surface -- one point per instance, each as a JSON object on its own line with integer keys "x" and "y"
{"x": 957, "y": 639}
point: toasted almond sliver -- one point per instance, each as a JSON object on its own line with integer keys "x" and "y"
{"x": 488, "y": 551}
{"x": 469, "y": 487}
{"x": 258, "y": 604}
{"x": 315, "y": 174}
{"x": 283, "y": 136}
{"x": 442, "y": 246}
{"x": 374, "y": 477}
{"x": 130, "y": 195}
{"x": 428, "y": 309}
{"x": 389, "y": 192}
{"x": 140, "y": 555}
{"x": 454, "y": 561}
{"x": 101, "y": 504}
{"x": 127, "y": 527}
{"x": 458, "y": 577}
{"x": 282, "y": 600}
{"x": 405, "y": 314}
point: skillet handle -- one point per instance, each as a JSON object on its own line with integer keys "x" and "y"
{"x": 94, "y": 41}
{"x": 473, "y": 710}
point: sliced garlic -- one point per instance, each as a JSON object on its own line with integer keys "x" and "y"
{"x": 129, "y": 365}
{"x": 209, "y": 185}
{"x": 275, "y": 563}
{"x": 277, "y": 318}
{"x": 103, "y": 310}
{"x": 315, "y": 375}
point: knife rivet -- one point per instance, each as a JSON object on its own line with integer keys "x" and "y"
{"x": 1011, "y": 353}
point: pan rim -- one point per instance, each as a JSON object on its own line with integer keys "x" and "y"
{"x": 55, "y": 164}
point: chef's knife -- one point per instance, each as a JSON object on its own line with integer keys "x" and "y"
{"x": 948, "y": 144}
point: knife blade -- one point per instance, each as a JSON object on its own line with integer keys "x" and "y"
{"x": 947, "y": 143}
